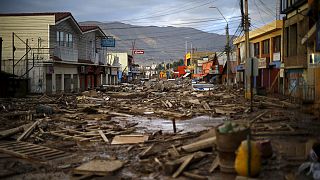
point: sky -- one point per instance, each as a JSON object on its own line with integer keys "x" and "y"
{"x": 199, "y": 14}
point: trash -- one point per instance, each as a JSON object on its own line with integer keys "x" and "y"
{"x": 44, "y": 109}
{"x": 265, "y": 148}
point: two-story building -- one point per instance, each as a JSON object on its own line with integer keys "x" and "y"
{"x": 301, "y": 49}
{"x": 53, "y": 51}
{"x": 265, "y": 43}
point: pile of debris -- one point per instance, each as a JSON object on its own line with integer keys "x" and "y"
{"x": 93, "y": 133}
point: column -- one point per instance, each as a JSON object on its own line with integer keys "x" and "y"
{"x": 72, "y": 84}
{"x": 78, "y": 84}
{"x": 54, "y": 83}
{"x": 62, "y": 82}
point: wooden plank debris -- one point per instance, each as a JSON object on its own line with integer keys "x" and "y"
{"x": 31, "y": 151}
{"x": 183, "y": 166}
{"x": 147, "y": 152}
{"x": 99, "y": 167}
{"x": 194, "y": 176}
{"x": 129, "y": 139}
{"x": 27, "y": 132}
{"x": 202, "y": 144}
{"x": 214, "y": 165}
{"x": 105, "y": 139}
{"x": 171, "y": 166}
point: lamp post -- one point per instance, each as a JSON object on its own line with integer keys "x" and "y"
{"x": 227, "y": 47}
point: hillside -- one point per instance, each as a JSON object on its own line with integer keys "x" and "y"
{"x": 160, "y": 43}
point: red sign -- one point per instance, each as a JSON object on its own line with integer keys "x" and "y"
{"x": 138, "y": 51}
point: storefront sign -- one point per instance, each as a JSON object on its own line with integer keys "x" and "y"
{"x": 262, "y": 63}
{"x": 240, "y": 67}
{"x": 188, "y": 56}
{"x": 138, "y": 51}
{"x": 276, "y": 56}
{"x": 108, "y": 41}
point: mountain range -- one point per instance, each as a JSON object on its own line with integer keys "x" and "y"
{"x": 160, "y": 44}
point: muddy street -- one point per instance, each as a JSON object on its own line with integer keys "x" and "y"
{"x": 160, "y": 130}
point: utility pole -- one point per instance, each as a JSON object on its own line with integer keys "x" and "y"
{"x": 27, "y": 61}
{"x": 13, "y": 50}
{"x": 247, "y": 45}
{"x": 228, "y": 52}
{"x": 0, "y": 54}
{"x": 133, "y": 50}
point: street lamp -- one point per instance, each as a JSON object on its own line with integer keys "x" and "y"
{"x": 227, "y": 48}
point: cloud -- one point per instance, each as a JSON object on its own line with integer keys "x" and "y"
{"x": 151, "y": 12}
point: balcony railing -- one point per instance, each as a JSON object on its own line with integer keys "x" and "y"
{"x": 66, "y": 54}
{"x": 296, "y": 61}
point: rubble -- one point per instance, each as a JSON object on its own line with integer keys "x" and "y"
{"x": 112, "y": 126}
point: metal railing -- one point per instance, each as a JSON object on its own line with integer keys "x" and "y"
{"x": 307, "y": 93}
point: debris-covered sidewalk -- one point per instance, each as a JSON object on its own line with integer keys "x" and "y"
{"x": 158, "y": 130}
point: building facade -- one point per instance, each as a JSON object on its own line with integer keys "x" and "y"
{"x": 265, "y": 45}
{"x": 53, "y": 52}
{"x": 301, "y": 50}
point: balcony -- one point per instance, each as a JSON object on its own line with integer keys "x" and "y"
{"x": 66, "y": 54}
{"x": 295, "y": 62}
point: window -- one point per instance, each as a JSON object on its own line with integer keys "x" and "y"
{"x": 265, "y": 48}
{"x": 293, "y": 40}
{"x": 69, "y": 40}
{"x": 60, "y": 38}
{"x": 256, "y": 49}
{"x": 276, "y": 44}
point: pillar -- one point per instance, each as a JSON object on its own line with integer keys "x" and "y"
{"x": 53, "y": 83}
{"x": 72, "y": 84}
{"x": 62, "y": 82}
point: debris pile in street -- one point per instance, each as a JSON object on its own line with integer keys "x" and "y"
{"x": 110, "y": 133}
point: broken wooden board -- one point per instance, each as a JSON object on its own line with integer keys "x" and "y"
{"x": 202, "y": 144}
{"x": 225, "y": 112}
{"x": 183, "y": 166}
{"x": 103, "y": 136}
{"x": 99, "y": 167}
{"x": 171, "y": 166}
{"x": 129, "y": 139}
{"x": 27, "y": 132}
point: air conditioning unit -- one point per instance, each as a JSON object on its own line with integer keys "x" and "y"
{"x": 83, "y": 69}
{"x": 314, "y": 59}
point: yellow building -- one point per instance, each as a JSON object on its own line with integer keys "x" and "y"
{"x": 265, "y": 44}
